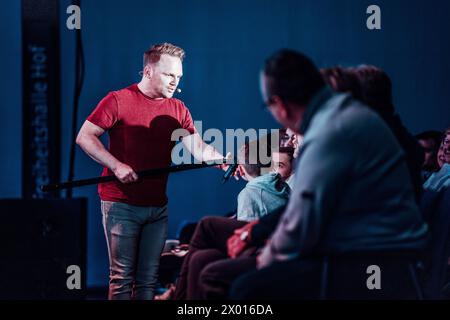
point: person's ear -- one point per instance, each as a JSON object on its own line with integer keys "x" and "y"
{"x": 280, "y": 107}
{"x": 148, "y": 71}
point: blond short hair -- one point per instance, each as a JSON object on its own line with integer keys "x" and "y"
{"x": 153, "y": 54}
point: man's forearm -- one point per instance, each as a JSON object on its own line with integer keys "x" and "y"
{"x": 200, "y": 150}
{"x": 95, "y": 149}
{"x": 209, "y": 153}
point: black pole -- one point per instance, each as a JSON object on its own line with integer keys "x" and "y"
{"x": 141, "y": 174}
{"x": 79, "y": 78}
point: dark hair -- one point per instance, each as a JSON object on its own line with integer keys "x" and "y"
{"x": 434, "y": 135}
{"x": 375, "y": 89}
{"x": 248, "y": 160}
{"x": 288, "y": 150}
{"x": 292, "y": 76}
{"x": 342, "y": 80}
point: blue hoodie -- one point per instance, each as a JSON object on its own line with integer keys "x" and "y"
{"x": 439, "y": 180}
{"x": 261, "y": 196}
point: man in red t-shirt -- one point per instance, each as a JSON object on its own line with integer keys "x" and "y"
{"x": 140, "y": 120}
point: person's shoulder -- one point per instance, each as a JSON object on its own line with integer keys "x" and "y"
{"x": 247, "y": 192}
{"x": 177, "y": 103}
{"x": 350, "y": 109}
{"x": 177, "y": 106}
{"x": 118, "y": 92}
{"x": 130, "y": 90}
{"x": 444, "y": 171}
{"x": 253, "y": 189}
{"x": 269, "y": 178}
{"x": 351, "y": 117}
{"x": 343, "y": 124}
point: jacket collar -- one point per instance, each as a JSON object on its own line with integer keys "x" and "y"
{"x": 316, "y": 103}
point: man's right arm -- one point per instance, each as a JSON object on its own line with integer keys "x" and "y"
{"x": 88, "y": 140}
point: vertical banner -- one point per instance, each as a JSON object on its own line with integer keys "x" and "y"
{"x": 41, "y": 96}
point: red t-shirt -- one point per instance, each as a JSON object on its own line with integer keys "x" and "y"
{"x": 140, "y": 131}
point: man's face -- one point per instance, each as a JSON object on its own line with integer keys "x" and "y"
{"x": 282, "y": 164}
{"x": 277, "y": 109}
{"x": 166, "y": 75}
{"x": 430, "y": 162}
{"x": 443, "y": 155}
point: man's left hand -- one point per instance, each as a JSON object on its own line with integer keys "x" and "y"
{"x": 239, "y": 241}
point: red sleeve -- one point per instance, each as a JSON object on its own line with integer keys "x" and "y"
{"x": 105, "y": 115}
{"x": 187, "y": 122}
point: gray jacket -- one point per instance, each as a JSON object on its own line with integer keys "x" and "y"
{"x": 352, "y": 190}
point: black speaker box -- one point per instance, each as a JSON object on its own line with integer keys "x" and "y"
{"x": 39, "y": 240}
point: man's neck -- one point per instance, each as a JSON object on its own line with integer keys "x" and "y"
{"x": 147, "y": 90}
{"x": 298, "y": 119}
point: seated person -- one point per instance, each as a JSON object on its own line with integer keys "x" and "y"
{"x": 262, "y": 196}
{"x": 291, "y": 139}
{"x": 216, "y": 277}
{"x": 429, "y": 141}
{"x": 283, "y": 164}
{"x": 353, "y": 195}
{"x": 441, "y": 178}
{"x": 263, "y": 193}
{"x": 373, "y": 87}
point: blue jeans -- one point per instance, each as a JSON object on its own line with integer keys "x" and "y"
{"x": 135, "y": 237}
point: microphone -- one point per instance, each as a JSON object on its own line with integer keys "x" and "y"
{"x": 231, "y": 169}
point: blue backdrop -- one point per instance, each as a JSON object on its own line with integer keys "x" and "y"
{"x": 226, "y": 42}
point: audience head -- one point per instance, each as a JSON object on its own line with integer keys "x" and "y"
{"x": 284, "y": 137}
{"x": 375, "y": 89}
{"x": 290, "y": 139}
{"x": 443, "y": 155}
{"x": 288, "y": 82}
{"x": 430, "y": 141}
{"x": 248, "y": 160}
{"x": 341, "y": 80}
{"x": 369, "y": 84}
{"x": 295, "y": 141}
{"x": 282, "y": 162}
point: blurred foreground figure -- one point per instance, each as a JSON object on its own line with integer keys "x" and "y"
{"x": 352, "y": 201}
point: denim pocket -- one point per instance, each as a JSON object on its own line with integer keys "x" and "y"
{"x": 161, "y": 213}
{"x": 106, "y": 207}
